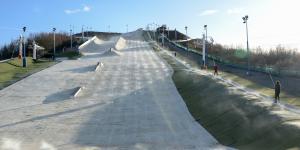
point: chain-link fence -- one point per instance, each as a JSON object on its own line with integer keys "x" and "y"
{"x": 197, "y": 57}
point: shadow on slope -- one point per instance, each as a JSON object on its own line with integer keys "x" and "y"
{"x": 52, "y": 115}
{"x": 82, "y": 69}
{"x": 112, "y": 125}
{"x": 59, "y": 96}
{"x": 142, "y": 120}
{"x": 111, "y": 53}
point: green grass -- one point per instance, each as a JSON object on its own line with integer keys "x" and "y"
{"x": 70, "y": 54}
{"x": 231, "y": 118}
{"x": 259, "y": 82}
{"x": 12, "y": 71}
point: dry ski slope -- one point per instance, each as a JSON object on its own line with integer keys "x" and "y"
{"x": 129, "y": 103}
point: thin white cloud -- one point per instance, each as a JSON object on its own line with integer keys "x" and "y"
{"x": 72, "y": 11}
{"x": 85, "y": 8}
{"x": 234, "y": 11}
{"x": 208, "y": 12}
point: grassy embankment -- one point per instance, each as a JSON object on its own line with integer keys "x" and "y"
{"x": 259, "y": 82}
{"x": 11, "y": 71}
{"x": 262, "y": 83}
{"x": 233, "y": 119}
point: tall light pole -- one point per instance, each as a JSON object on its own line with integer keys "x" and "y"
{"x": 204, "y": 46}
{"x": 175, "y": 34}
{"x": 156, "y": 35}
{"x": 71, "y": 37}
{"x": 154, "y": 30}
{"x": 168, "y": 33}
{"x": 87, "y": 32}
{"x": 151, "y": 28}
{"x": 163, "y": 37}
{"x": 126, "y": 28}
{"x": 82, "y": 32}
{"x": 187, "y": 43}
{"x": 24, "y": 48}
{"x": 54, "y": 45}
{"x": 205, "y": 28}
{"x": 245, "y": 19}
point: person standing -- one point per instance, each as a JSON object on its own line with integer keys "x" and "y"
{"x": 277, "y": 91}
{"x": 216, "y": 69}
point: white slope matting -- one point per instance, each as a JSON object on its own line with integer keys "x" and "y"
{"x": 130, "y": 103}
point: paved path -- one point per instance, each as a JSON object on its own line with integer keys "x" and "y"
{"x": 130, "y": 103}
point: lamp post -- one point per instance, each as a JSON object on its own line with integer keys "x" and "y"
{"x": 152, "y": 34}
{"x": 156, "y": 35}
{"x": 126, "y": 28}
{"x": 168, "y": 33}
{"x": 175, "y": 34}
{"x": 204, "y": 46}
{"x": 71, "y": 37}
{"x": 163, "y": 37}
{"x": 205, "y": 28}
{"x": 87, "y": 32}
{"x": 154, "y": 30}
{"x": 24, "y": 48}
{"x": 245, "y": 19}
{"x": 82, "y": 32}
{"x": 187, "y": 43}
{"x": 54, "y": 45}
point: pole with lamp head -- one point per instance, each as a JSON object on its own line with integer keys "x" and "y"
{"x": 187, "y": 43}
{"x": 54, "y": 45}
{"x": 175, "y": 32}
{"x": 71, "y": 37}
{"x": 245, "y": 19}
{"x": 168, "y": 33}
{"x": 24, "y": 48}
{"x": 204, "y": 46}
{"x": 163, "y": 36}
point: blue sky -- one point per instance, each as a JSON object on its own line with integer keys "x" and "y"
{"x": 271, "y": 22}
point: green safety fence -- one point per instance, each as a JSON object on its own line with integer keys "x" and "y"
{"x": 268, "y": 70}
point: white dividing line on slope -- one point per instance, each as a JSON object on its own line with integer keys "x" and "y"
{"x": 247, "y": 91}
